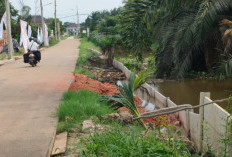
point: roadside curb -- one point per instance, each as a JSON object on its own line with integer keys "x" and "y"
{"x": 49, "y": 151}
{"x": 6, "y": 61}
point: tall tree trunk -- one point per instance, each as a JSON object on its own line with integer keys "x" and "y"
{"x": 110, "y": 57}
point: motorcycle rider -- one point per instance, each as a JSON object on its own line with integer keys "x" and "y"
{"x": 33, "y": 48}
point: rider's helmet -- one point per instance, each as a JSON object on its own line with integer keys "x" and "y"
{"x": 31, "y": 39}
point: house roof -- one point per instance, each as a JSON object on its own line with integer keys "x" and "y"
{"x": 37, "y": 19}
{"x": 73, "y": 25}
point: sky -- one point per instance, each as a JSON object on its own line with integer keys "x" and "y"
{"x": 67, "y": 8}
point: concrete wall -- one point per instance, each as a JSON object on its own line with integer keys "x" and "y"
{"x": 215, "y": 125}
{"x": 215, "y": 118}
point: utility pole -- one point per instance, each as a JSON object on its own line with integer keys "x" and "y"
{"x": 55, "y": 22}
{"x": 8, "y": 25}
{"x": 59, "y": 38}
{"x": 77, "y": 21}
{"x": 35, "y": 10}
{"x": 42, "y": 20}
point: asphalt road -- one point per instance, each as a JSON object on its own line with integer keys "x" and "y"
{"x": 29, "y": 97}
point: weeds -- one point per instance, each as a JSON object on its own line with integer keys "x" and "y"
{"x": 84, "y": 72}
{"x": 53, "y": 42}
{"x": 130, "y": 141}
{"x": 79, "y": 106}
{"x": 84, "y": 54}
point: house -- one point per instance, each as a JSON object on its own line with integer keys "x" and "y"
{"x": 73, "y": 29}
{"x": 37, "y": 20}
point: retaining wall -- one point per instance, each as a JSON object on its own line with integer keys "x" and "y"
{"x": 205, "y": 129}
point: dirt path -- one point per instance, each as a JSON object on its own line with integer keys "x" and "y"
{"x": 29, "y": 97}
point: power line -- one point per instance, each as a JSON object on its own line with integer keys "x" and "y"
{"x": 72, "y": 16}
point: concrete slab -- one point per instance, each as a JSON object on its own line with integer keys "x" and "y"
{"x": 60, "y": 144}
{"x": 29, "y": 98}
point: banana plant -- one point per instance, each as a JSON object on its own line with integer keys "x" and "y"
{"x": 126, "y": 98}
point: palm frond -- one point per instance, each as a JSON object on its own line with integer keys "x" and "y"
{"x": 126, "y": 99}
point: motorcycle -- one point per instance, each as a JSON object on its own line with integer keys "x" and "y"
{"x": 32, "y": 57}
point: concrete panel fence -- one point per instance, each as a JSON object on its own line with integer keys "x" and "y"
{"x": 207, "y": 129}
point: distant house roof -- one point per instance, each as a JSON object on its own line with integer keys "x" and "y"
{"x": 37, "y": 19}
{"x": 73, "y": 26}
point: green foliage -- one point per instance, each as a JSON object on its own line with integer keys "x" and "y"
{"x": 142, "y": 78}
{"x": 51, "y": 26}
{"x": 53, "y": 42}
{"x": 83, "y": 72}
{"x": 180, "y": 30}
{"x": 78, "y": 108}
{"x": 136, "y": 34}
{"x": 64, "y": 37}
{"x": 84, "y": 52}
{"x": 130, "y": 62}
{"x": 94, "y": 19}
{"x": 130, "y": 142}
{"x": 126, "y": 99}
{"x": 224, "y": 69}
{"x": 14, "y": 20}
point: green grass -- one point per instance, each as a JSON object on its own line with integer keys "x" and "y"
{"x": 80, "y": 106}
{"x": 129, "y": 141}
{"x": 85, "y": 44}
{"x": 84, "y": 54}
{"x": 20, "y": 53}
{"x": 64, "y": 37}
{"x": 84, "y": 72}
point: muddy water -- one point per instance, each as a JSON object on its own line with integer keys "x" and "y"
{"x": 188, "y": 91}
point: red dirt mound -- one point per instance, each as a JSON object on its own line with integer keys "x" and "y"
{"x": 83, "y": 82}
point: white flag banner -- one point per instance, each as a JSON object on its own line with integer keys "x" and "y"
{"x": 29, "y": 31}
{"x": 46, "y": 42}
{"x": 25, "y": 38}
{"x": 3, "y": 21}
{"x": 41, "y": 36}
{"x": 38, "y": 36}
{"x": 21, "y": 40}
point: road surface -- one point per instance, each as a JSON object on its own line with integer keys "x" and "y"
{"x": 29, "y": 98}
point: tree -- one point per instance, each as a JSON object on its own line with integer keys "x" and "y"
{"x": 51, "y": 26}
{"x": 188, "y": 32}
{"x": 14, "y": 20}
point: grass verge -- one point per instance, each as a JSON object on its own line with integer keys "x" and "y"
{"x": 79, "y": 106}
{"x": 84, "y": 54}
{"x": 132, "y": 141}
{"x": 84, "y": 72}
{"x": 53, "y": 42}
{"x": 64, "y": 37}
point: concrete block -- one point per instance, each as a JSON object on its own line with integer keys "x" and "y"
{"x": 214, "y": 128}
{"x": 195, "y": 128}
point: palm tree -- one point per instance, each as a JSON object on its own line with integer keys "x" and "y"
{"x": 187, "y": 31}
{"x": 126, "y": 98}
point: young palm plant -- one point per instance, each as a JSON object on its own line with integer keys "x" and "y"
{"x": 126, "y": 98}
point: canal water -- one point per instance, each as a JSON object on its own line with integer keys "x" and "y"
{"x": 188, "y": 91}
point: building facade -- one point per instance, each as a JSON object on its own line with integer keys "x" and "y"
{"x": 73, "y": 29}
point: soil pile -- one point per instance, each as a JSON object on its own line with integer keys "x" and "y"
{"x": 103, "y": 73}
{"x": 83, "y": 82}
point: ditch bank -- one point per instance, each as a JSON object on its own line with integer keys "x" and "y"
{"x": 83, "y": 82}
{"x": 203, "y": 128}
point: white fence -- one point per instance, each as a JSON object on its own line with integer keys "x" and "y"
{"x": 209, "y": 128}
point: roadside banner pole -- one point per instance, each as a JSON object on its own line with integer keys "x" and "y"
{"x": 42, "y": 20}
{"x": 8, "y": 25}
